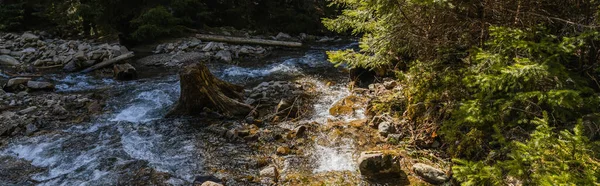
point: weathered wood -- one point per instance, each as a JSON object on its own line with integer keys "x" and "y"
{"x": 241, "y": 40}
{"x": 200, "y": 89}
{"x": 124, "y": 72}
{"x": 109, "y": 62}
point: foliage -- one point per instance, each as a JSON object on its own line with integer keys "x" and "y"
{"x": 481, "y": 74}
{"x": 548, "y": 158}
{"x": 11, "y": 16}
{"x": 154, "y": 23}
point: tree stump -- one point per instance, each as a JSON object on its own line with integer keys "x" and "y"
{"x": 124, "y": 72}
{"x": 200, "y": 89}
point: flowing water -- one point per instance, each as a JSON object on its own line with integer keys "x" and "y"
{"x": 133, "y": 135}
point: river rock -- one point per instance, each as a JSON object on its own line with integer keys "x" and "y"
{"x": 373, "y": 164}
{"x": 28, "y": 110}
{"x": 70, "y": 67}
{"x": 430, "y": 174}
{"x": 270, "y": 172}
{"x": 30, "y": 129}
{"x": 224, "y": 55}
{"x": 385, "y": 128}
{"x": 29, "y": 37}
{"x": 210, "y": 183}
{"x": 283, "y": 36}
{"x": 8, "y": 60}
{"x": 346, "y": 106}
{"x": 17, "y": 81}
{"x": 283, "y": 150}
{"x": 40, "y": 85}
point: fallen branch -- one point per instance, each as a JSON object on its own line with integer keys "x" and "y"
{"x": 109, "y": 62}
{"x": 241, "y": 40}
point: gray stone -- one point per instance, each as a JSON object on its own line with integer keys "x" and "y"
{"x": 430, "y": 174}
{"x": 4, "y": 51}
{"x": 374, "y": 164}
{"x": 30, "y": 129}
{"x": 270, "y": 172}
{"x": 283, "y": 36}
{"x": 28, "y": 110}
{"x": 210, "y": 183}
{"x": 22, "y": 94}
{"x": 385, "y": 128}
{"x": 224, "y": 55}
{"x": 12, "y": 83}
{"x": 8, "y": 60}
{"x": 58, "y": 110}
{"x": 40, "y": 85}
{"x": 70, "y": 66}
{"x": 80, "y": 56}
{"x": 29, "y": 37}
{"x": 209, "y": 47}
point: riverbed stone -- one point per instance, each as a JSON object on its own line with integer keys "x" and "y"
{"x": 40, "y": 85}
{"x": 270, "y": 172}
{"x": 224, "y": 55}
{"x": 28, "y": 110}
{"x": 17, "y": 81}
{"x": 430, "y": 174}
{"x": 211, "y": 183}
{"x": 373, "y": 164}
{"x": 385, "y": 128}
{"x": 29, "y": 37}
{"x": 9, "y": 61}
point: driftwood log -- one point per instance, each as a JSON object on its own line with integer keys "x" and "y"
{"x": 109, "y": 62}
{"x": 241, "y": 40}
{"x": 200, "y": 89}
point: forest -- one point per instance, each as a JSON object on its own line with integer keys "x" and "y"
{"x": 484, "y": 92}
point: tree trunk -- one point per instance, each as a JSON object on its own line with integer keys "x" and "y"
{"x": 200, "y": 89}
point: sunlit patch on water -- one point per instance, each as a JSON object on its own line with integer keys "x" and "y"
{"x": 336, "y": 158}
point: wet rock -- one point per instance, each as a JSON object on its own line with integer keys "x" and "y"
{"x": 224, "y": 55}
{"x": 374, "y": 164}
{"x": 70, "y": 67}
{"x": 124, "y": 72}
{"x": 346, "y": 106}
{"x": 30, "y": 129}
{"x": 15, "y": 171}
{"x": 286, "y": 109}
{"x": 9, "y": 61}
{"x": 210, "y": 183}
{"x": 283, "y": 150}
{"x": 300, "y": 130}
{"x": 270, "y": 172}
{"x": 40, "y": 85}
{"x": 430, "y": 174}
{"x": 385, "y": 128}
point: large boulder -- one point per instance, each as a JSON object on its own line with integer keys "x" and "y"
{"x": 375, "y": 164}
{"x": 9, "y": 61}
{"x": 29, "y": 37}
{"x": 430, "y": 174}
